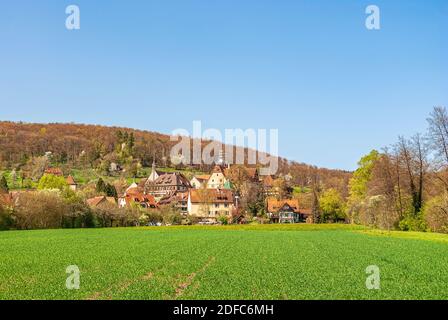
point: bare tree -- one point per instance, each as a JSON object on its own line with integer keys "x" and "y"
{"x": 413, "y": 155}
{"x": 438, "y": 131}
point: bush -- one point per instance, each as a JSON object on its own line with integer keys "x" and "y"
{"x": 79, "y": 214}
{"x": 172, "y": 218}
{"x": 6, "y": 221}
{"x": 413, "y": 223}
{"x": 435, "y": 214}
{"x": 40, "y": 210}
{"x": 50, "y": 181}
{"x": 224, "y": 220}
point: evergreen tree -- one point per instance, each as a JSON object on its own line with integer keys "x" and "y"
{"x": 4, "y": 185}
{"x": 111, "y": 191}
{"x": 101, "y": 186}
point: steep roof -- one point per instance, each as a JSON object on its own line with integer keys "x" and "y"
{"x": 94, "y": 202}
{"x": 252, "y": 173}
{"x": 275, "y": 205}
{"x": 172, "y": 179}
{"x": 167, "y": 179}
{"x": 177, "y": 197}
{"x": 137, "y": 196}
{"x": 218, "y": 169}
{"x": 71, "y": 181}
{"x": 211, "y": 196}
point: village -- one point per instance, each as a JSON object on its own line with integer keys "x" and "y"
{"x": 210, "y": 198}
{"x": 220, "y": 197}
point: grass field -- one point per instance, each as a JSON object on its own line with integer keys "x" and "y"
{"x": 248, "y": 262}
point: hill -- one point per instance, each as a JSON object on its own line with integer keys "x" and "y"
{"x": 95, "y": 146}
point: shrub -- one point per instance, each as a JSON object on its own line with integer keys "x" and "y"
{"x": 223, "y": 220}
{"x": 50, "y": 181}
{"x": 413, "y": 223}
{"x": 435, "y": 214}
{"x": 6, "y": 221}
{"x": 40, "y": 210}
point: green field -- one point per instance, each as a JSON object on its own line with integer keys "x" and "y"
{"x": 249, "y": 262}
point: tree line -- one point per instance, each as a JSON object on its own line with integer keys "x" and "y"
{"x": 405, "y": 185}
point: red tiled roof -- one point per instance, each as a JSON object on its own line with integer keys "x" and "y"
{"x": 71, "y": 181}
{"x": 136, "y": 195}
{"x": 94, "y": 202}
{"x": 169, "y": 179}
{"x": 275, "y": 205}
{"x": 177, "y": 197}
{"x": 203, "y": 177}
{"x": 54, "y": 171}
{"x": 211, "y": 196}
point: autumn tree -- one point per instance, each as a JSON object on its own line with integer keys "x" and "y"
{"x": 40, "y": 210}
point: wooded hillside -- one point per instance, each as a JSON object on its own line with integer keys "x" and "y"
{"x": 94, "y": 146}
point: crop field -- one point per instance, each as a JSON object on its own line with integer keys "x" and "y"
{"x": 247, "y": 262}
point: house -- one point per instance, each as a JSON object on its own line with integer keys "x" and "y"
{"x": 199, "y": 181}
{"x": 166, "y": 184}
{"x": 72, "y": 183}
{"x": 287, "y": 211}
{"x": 132, "y": 186}
{"x": 115, "y": 167}
{"x": 217, "y": 179}
{"x": 179, "y": 200}
{"x": 102, "y": 202}
{"x": 54, "y": 171}
{"x": 210, "y": 203}
{"x": 136, "y": 196}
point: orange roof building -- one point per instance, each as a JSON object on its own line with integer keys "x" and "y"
{"x": 72, "y": 183}
{"x": 54, "y": 171}
{"x": 210, "y": 203}
{"x": 286, "y": 211}
{"x": 101, "y": 202}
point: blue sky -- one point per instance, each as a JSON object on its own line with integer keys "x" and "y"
{"x": 334, "y": 89}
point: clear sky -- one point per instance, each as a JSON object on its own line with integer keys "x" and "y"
{"x": 334, "y": 89}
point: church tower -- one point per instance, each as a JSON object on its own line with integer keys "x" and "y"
{"x": 154, "y": 174}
